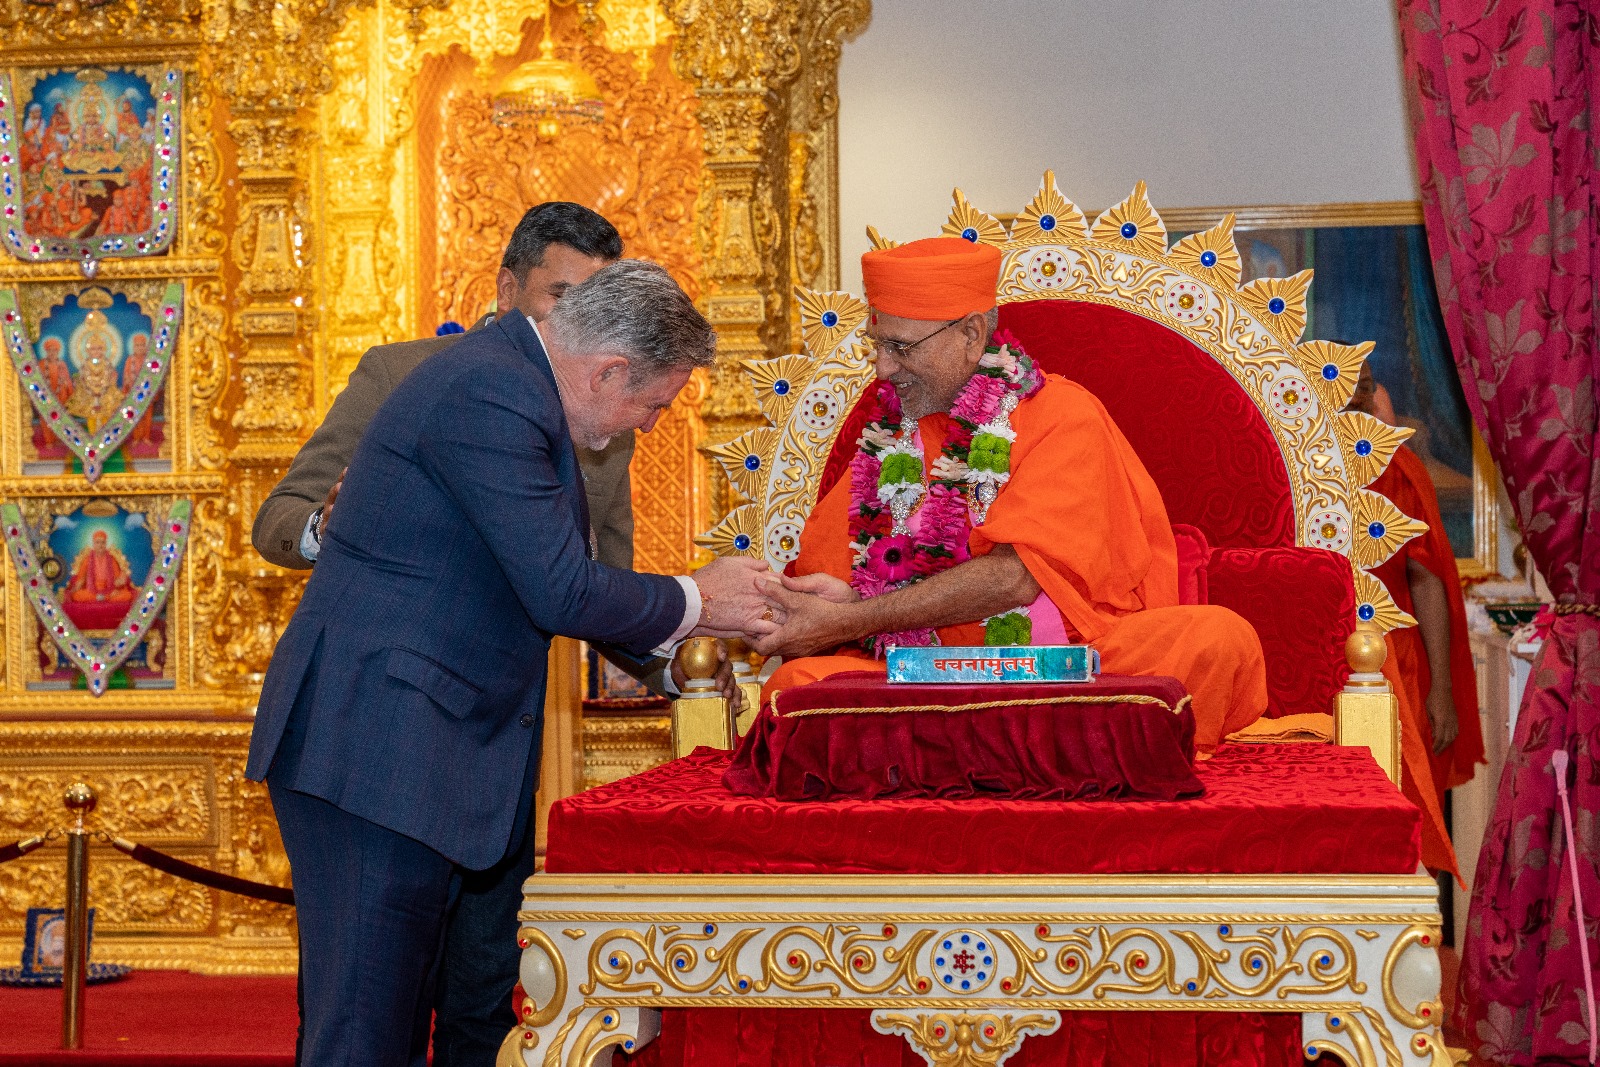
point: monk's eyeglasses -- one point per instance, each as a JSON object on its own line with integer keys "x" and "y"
{"x": 898, "y": 349}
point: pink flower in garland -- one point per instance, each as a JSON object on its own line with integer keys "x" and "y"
{"x": 946, "y": 522}
{"x": 979, "y": 400}
{"x": 892, "y": 558}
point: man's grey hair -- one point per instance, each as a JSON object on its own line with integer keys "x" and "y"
{"x": 634, "y": 309}
{"x": 991, "y": 321}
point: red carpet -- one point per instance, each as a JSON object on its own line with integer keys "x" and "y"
{"x": 157, "y": 1019}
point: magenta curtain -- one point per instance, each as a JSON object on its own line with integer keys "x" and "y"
{"x": 1500, "y": 95}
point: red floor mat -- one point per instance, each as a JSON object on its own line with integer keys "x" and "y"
{"x": 157, "y": 1019}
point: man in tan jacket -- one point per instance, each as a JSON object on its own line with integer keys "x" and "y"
{"x": 555, "y": 246}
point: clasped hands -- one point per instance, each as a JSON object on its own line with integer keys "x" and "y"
{"x": 780, "y": 616}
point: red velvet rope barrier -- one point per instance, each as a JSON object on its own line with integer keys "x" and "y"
{"x": 150, "y": 857}
{"x": 20, "y": 848}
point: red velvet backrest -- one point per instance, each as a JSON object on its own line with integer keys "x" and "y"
{"x": 1199, "y": 434}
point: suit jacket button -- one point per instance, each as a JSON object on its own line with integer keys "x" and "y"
{"x": 526, "y": 720}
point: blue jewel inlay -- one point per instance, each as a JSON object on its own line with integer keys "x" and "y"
{"x": 965, "y": 984}
{"x": 1129, "y": 231}
{"x": 627, "y": 1044}
{"x": 744, "y": 983}
{"x": 1208, "y": 258}
{"x": 710, "y": 929}
{"x": 1365, "y": 612}
{"x": 830, "y": 319}
{"x": 987, "y": 960}
{"x": 1224, "y": 930}
{"x": 1334, "y": 1022}
{"x": 752, "y": 463}
{"x": 980, "y": 976}
{"x": 1330, "y": 373}
{"x": 606, "y": 1020}
{"x": 678, "y": 963}
{"x": 1276, "y": 305}
{"x": 939, "y": 962}
{"x": 1190, "y": 986}
{"x": 1324, "y": 960}
{"x": 781, "y": 387}
{"x": 1255, "y": 965}
{"x": 742, "y": 542}
{"x": 613, "y": 962}
{"x": 1363, "y": 447}
{"x": 1375, "y": 529}
{"x": 970, "y": 234}
{"x": 948, "y": 945}
{"x": 982, "y": 947}
{"x": 1047, "y": 223}
{"x": 965, "y": 939}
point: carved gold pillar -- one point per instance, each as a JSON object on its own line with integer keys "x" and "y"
{"x": 744, "y": 57}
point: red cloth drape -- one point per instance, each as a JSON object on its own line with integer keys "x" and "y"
{"x": 1501, "y": 96}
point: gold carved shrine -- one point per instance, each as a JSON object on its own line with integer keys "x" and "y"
{"x": 221, "y": 207}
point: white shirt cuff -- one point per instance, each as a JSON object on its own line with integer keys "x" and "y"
{"x": 310, "y": 547}
{"x": 691, "y": 617}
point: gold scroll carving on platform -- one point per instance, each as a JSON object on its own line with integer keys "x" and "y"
{"x": 341, "y": 185}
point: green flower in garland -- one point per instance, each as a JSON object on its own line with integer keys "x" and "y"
{"x": 900, "y": 469}
{"x": 1012, "y": 628}
{"x": 989, "y": 452}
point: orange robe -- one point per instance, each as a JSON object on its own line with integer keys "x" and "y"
{"x": 1088, "y": 521}
{"x": 1407, "y": 485}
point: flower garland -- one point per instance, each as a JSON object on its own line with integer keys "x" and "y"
{"x": 888, "y": 487}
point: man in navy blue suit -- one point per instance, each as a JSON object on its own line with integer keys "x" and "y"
{"x": 399, "y": 724}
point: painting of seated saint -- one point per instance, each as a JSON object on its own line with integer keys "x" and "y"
{"x": 90, "y": 350}
{"x": 97, "y": 556}
{"x": 97, "y": 159}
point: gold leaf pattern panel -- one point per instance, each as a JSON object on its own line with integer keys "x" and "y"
{"x": 640, "y": 168}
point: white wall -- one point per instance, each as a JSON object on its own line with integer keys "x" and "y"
{"x": 1209, "y": 101}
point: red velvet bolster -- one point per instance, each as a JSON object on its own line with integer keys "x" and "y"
{"x": 1267, "y": 809}
{"x": 855, "y": 735}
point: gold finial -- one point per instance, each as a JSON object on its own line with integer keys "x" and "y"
{"x": 698, "y": 658}
{"x": 80, "y": 799}
{"x": 739, "y": 656}
{"x": 1365, "y": 650}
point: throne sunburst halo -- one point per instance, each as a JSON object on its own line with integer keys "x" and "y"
{"x": 1122, "y": 259}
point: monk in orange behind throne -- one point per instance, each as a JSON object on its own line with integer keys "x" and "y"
{"x": 990, "y": 503}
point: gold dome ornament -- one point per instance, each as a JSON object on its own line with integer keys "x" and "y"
{"x": 543, "y": 93}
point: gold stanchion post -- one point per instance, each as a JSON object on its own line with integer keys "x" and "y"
{"x": 80, "y": 800}
{"x": 700, "y": 716}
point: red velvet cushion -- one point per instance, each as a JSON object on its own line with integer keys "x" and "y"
{"x": 1302, "y": 602}
{"x": 1194, "y": 552}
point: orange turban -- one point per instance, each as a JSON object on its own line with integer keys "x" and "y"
{"x": 937, "y": 278}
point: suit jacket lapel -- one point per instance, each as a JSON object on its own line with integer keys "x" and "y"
{"x": 527, "y": 339}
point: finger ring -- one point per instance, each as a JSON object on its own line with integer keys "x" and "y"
{"x": 767, "y": 615}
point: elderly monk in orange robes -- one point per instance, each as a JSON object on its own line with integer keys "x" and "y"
{"x": 1432, "y": 661}
{"x": 983, "y": 486}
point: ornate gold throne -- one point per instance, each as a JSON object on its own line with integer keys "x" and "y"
{"x": 1270, "y": 477}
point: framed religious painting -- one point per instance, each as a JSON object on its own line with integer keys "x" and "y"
{"x": 95, "y": 577}
{"x": 1374, "y": 282}
{"x": 91, "y": 364}
{"x": 90, "y": 161}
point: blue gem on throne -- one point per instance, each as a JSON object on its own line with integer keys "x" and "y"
{"x": 710, "y": 928}
{"x": 1330, "y": 372}
{"x": 752, "y": 463}
{"x": 1276, "y": 305}
{"x": 1365, "y": 612}
{"x": 1129, "y": 231}
{"x": 969, "y": 234}
{"x": 1047, "y": 223}
{"x": 1376, "y": 530}
{"x": 1363, "y": 447}
{"x": 830, "y": 319}
{"x": 1208, "y": 258}
{"x": 742, "y": 542}
{"x": 781, "y": 386}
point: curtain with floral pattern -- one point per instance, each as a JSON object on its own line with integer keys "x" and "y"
{"x": 1500, "y": 93}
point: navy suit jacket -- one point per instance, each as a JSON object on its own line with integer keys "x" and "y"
{"x": 409, "y": 687}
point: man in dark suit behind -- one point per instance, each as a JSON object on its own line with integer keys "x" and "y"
{"x": 398, "y": 728}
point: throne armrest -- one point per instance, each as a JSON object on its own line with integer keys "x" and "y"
{"x": 1301, "y": 602}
